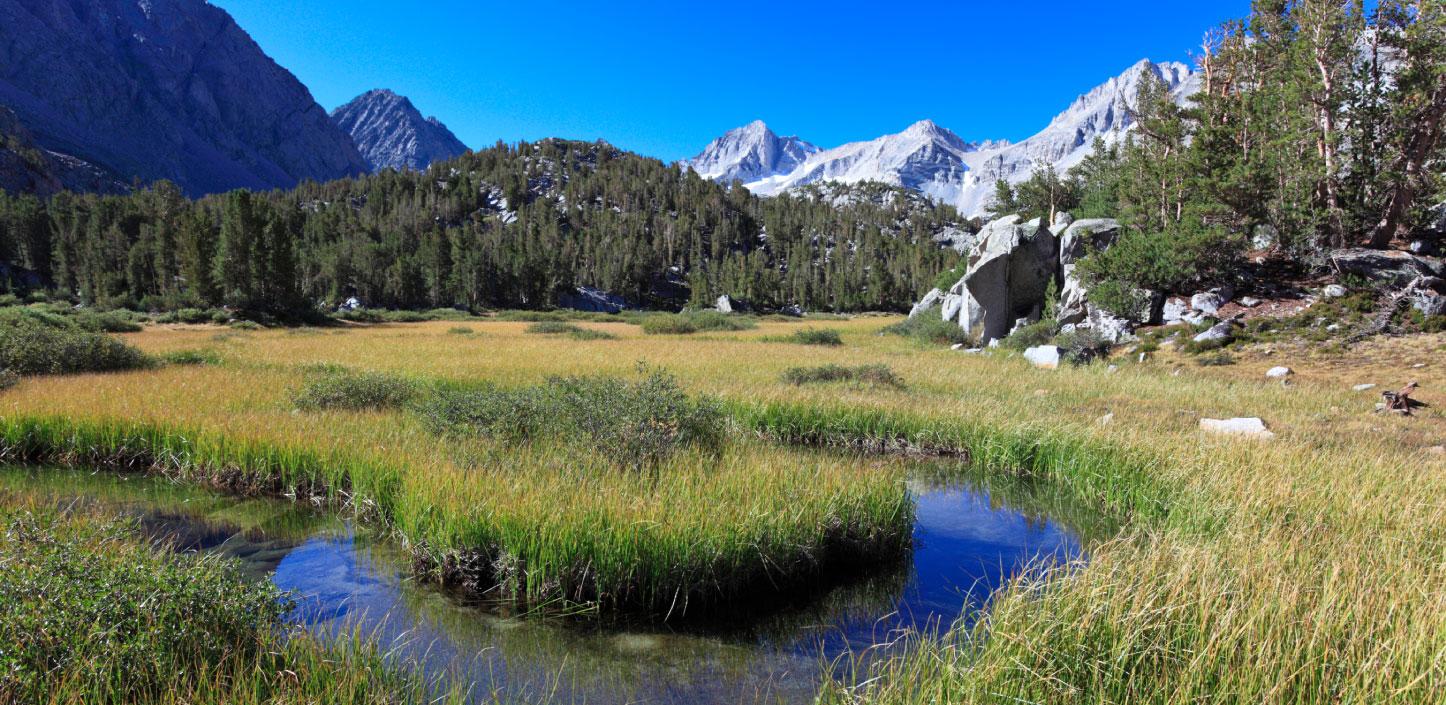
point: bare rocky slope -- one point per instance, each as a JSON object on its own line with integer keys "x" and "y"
{"x": 392, "y": 134}
{"x": 163, "y": 89}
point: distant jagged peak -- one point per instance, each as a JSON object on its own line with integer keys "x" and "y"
{"x": 391, "y": 133}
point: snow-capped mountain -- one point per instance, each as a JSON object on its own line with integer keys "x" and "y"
{"x": 936, "y": 162}
{"x": 750, "y": 153}
{"x": 392, "y": 134}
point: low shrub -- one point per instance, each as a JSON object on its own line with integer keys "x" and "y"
{"x": 696, "y": 321}
{"x": 816, "y": 336}
{"x": 8, "y": 379}
{"x": 245, "y": 325}
{"x": 1038, "y": 333}
{"x": 1216, "y": 359}
{"x": 868, "y": 375}
{"x": 192, "y": 357}
{"x": 29, "y": 346}
{"x": 1082, "y": 345}
{"x": 353, "y": 391}
{"x": 669, "y": 325}
{"x": 461, "y": 330}
{"x": 930, "y": 329}
{"x": 552, "y": 328}
{"x": 634, "y": 423}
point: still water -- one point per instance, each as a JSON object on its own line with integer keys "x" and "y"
{"x": 344, "y": 578}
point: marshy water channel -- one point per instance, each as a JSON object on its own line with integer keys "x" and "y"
{"x": 968, "y": 541}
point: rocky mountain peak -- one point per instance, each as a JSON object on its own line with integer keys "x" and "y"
{"x": 935, "y": 161}
{"x": 163, "y": 89}
{"x": 749, "y": 153}
{"x": 392, "y": 134}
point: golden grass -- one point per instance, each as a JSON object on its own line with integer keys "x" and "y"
{"x": 1307, "y": 569}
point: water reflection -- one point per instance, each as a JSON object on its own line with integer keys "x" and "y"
{"x": 966, "y": 544}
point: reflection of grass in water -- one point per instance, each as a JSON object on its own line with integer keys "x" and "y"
{"x": 109, "y": 491}
{"x": 1038, "y": 499}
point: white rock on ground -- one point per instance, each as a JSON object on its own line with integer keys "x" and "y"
{"x": 1046, "y": 356}
{"x": 1279, "y": 372}
{"x": 1335, "y": 291}
{"x": 1251, "y": 427}
{"x": 1363, "y": 387}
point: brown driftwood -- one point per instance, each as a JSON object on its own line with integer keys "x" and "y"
{"x": 1401, "y": 402}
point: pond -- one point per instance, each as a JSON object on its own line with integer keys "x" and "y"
{"x": 967, "y": 542}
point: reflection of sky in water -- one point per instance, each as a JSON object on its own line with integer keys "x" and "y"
{"x": 964, "y": 548}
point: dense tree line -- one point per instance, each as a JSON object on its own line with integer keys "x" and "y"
{"x": 510, "y": 226}
{"x": 1318, "y": 125}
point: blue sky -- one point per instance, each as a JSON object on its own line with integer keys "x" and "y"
{"x": 664, "y": 78}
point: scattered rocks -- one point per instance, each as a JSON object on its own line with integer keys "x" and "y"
{"x": 1174, "y": 311}
{"x": 724, "y": 304}
{"x": 1249, "y": 301}
{"x": 1251, "y": 427}
{"x": 1334, "y": 291}
{"x": 1044, "y": 356}
{"x": 1112, "y": 369}
{"x": 1363, "y": 387}
{"x": 1106, "y": 420}
{"x": 1279, "y": 372}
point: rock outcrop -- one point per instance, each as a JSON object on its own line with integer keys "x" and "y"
{"x": 163, "y": 89}
{"x": 1010, "y": 269}
{"x": 1393, "y": 267}
{"x": 392, "y": 134}
{"x": 1079, "y": 238}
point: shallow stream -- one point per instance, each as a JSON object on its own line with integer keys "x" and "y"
{"x": 344, "y": 578}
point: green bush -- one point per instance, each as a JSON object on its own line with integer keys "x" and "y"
{"x": 868, "y": 375}
{"x": 929, "y": 328}
{"x": 1082, "y": 345}
{"x": 552, "y": 328}
{"x": 669, "y": 325}
{"x": 1216, "y": 359}
{"x": 696, "y": 321}
{"x": 353, "y": 391}
{"x": 30, "y": 346}
{"x": 191, "y": 357}
{"x": 8, "y": 379}
{"x": 634, "y": 423}
{"x": 817, "y": 336}
{"x": 1162, "y": 262}
{"x": 1034, "y": 334}
{"x": 948, "y": 278}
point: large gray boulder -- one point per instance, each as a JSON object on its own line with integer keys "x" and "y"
{"x": 1079, "y": 239}
{"x": 587, "y": 298}
{"x": 1389, "y": 266}
{"x": 1010, "y": 269}
{"x": 928, "y": 303}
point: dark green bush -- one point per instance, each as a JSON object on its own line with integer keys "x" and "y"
{"x": 669, "y": 325}
{"x": 930, "y": 329}
{"x": 353, "y": 391}
{"x": 868, "y": 375}
{"x": 817, "y": 336}
{"x": 29, "y": 346}
{"x": 1171, "y": 261}
{"x": 634, "y": 423}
